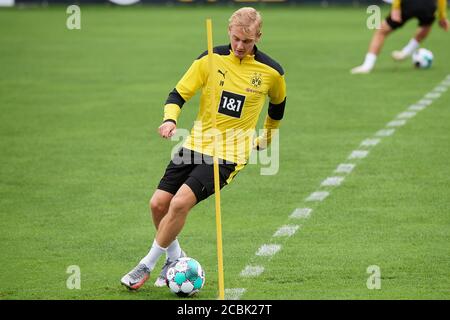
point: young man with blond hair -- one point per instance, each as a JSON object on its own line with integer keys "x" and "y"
{"x": 244, "y": 78}
{"x": 402, "y": 11}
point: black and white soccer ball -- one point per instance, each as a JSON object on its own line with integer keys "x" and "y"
{"x": 422, "y": 58}
{"x": 185, "y": 277}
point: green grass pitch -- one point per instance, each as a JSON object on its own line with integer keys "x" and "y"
{"x": 80, "y": 157}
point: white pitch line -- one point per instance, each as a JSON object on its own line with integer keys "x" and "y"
{"x": 317, "y": 196}
{"x": 385, "y": 132}
{"x": 425, "y": 102}
{"x": 358, "y": 154}
{"x": 370, "y": 142}
{"x": 286, "y": 231}
{"x": 252, "y": 271}
{"x": 234, "y": 293}
{"x": 433, "y": 95}
{"x": 268, "y": 250}
{"x": 416, "y": 107}
{"x": 406, "y": 115}
{"x": 345, "y": 168}
{"x": 300, "y": 213}
{"x": 332, "y": 181}
{"x": 441, "y": 89}
{"x": 396, "y": 123}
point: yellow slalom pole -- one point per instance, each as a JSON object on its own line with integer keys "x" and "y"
{"x": 212, "y": 87}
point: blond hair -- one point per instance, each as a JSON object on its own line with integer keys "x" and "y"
{"x": 248, "y": 19}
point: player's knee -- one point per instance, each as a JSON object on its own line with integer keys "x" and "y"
{"x": 158, "y": 206}
{"x": 383, "y": 32}
{"x": 178, "y": 205}
{"x": 385, "y": 29}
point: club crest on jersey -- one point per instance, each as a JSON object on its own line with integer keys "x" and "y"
{"x": 231, "y": 104}
{"x": 256, "y": 80}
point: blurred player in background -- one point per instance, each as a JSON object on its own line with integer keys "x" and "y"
{"x": 401, "y": 12}
{"x": 245, "y": 77}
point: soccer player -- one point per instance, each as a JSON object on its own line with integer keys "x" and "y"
{"x": 402, "y": 11}
{"x": 244, "y": 77}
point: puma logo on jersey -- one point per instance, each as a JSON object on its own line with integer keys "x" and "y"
{"x": 222, "y": 73}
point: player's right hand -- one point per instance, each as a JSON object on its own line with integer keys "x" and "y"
{"x": 443, "y": 23}
{"x": 396, "y": 15}
{"x": 167, "y": 129}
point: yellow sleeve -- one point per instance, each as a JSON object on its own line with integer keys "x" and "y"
{"x": 171, "y": 112}
{"x": 264, "y": 140}
{"x": 277, "y": 94}
{"x": 192, "y": 80}
{"x": 442, "y": 9}
{"x": 396, "y": 4}
{"x": 277, "y": 91}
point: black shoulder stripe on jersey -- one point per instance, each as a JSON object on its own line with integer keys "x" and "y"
{"x": 176, "y": 98}
{"x": 276, "y": 111}
{"x": 264, "y": 58}
{"x": 220, "y": 50}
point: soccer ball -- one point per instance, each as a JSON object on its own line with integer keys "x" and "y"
{"x": 422, "y": 58}
{"x": 185, "y": 277}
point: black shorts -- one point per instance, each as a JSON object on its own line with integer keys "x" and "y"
{"x": 423, "y": 10}
{"x": 197, "y": 171}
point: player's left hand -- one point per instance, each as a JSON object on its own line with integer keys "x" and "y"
{"x": 444, "y": 24}
{"x": 259, "y": 144}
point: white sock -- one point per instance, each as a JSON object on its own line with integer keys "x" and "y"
{"x": 153, "y": 255}
{"x": 370, "y": 60}
{"x": 410, "y": 47}
{"x": 173, "y": 250}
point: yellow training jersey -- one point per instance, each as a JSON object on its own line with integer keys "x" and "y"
{"x": 241, "y": 88}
